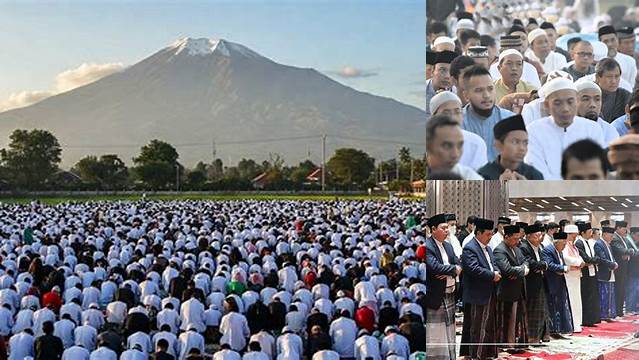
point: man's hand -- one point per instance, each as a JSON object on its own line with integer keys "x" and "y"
{"x": 616, "y": 266}
{"x": 458, "y": 269}
{"x": 497, "y": 276}
{"x": 508, "y": 175}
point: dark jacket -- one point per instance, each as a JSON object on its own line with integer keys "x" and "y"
{"x": 388, "y": 315}
{"x": 588, "y": 254}
{"x": 535, "y": 280}
{"x": 606, "y": 263}
{"x": 317, "y": 343}
{"x": 415, "y": 332}
{"x": 258, "y": 317}
{"x": 318, "y": 318}
{"x": 512, "y": 286}
{"x": 48, "y": 347}
{"x": 161, "y": 355}
{"x": 112, "y": 340}
{"x": 556, "y": 269}
{"x": 477, "y": 278}
{"x": 620, "y": 248}
{"x": 435, "y": 266}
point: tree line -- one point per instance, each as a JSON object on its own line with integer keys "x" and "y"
{"x": 32, "y": 158}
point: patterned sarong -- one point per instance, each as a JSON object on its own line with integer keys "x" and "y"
{"x": 607, "y": 300}
{"x": 440, "y": 330}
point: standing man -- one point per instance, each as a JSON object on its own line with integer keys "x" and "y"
{"x": 632, "y": 289}
{"x": 607, "y": 267}
{"x": 589, "y": 288}
{"x": 498, "y": 237}
{"x": 551, "y": 229}
{"x": 573, "y": 276}
{"x": 442, "y": 270}
{"x": 511, "y": 290}
{"x": 622, "y": 252}
{"x": 536, "y": 303}
{"x": 478, "y": 285}
{"x": 558, "y": 303}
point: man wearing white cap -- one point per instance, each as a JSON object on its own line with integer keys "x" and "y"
{"x": 575, "y": 262}
{"x": 443, "y": 43}
{"x": 551, "y": 135}
{"x": 510, "y": 66}
{"x": 589, "y": 107}
{"x": 540, "y": 51}
{"x": 474, "y": 150}
{"x": 534, "y": 110}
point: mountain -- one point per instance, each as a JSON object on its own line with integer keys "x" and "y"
{"x": 199, "y": 91}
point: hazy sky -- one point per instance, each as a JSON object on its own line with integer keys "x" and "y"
{"x": 44, "y": 43}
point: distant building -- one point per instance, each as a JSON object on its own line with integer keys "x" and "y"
{"x": 261, "y": 181}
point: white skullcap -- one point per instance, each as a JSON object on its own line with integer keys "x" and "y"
{"x": 558, "y": 74}
{"x": 583, "y": 84}
{"x": 443, "y": 40}
{"x": 441, "y": 98}
{"x": 509, "y": 52}
{"x": 465, "y": 24}
{"x": 535, "y": 34}
{"x": 571, "y": 229}
{"x": 599, "y": 49}
{"x": 556, "y": 85}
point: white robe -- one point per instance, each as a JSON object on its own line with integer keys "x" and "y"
{"x": 547, "y": 142}
{"x": 573, "y": 283}
{"x": 474, "y": 152}
{"x": 343, "y": 331}
{"x": 21, "y": 346}
{"x": 85, "y": 335}
{"x": 64, "y": 330}
{"x": 554, "y": 61}
{"x": 367, "y": 346}
{"x": 609, "y": 131}
{"x": 76, "y": 353}
{"x": 235, "y": 330}
{"x": 103, "y": 353}
{"x": 189, "y": 340}
{"x": 192, "y": 314}
{"x": 628, "y": 67}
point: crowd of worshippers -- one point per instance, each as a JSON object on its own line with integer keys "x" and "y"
{"x": 524, "y": 284}
{"x": 522, "y": 103}
{"x": 189, "y": 280}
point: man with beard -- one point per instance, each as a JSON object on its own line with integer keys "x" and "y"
{"x": 589, "y": 107}
{"x": 614, "y": 98}
{"x": 551, "y": 135}
{"x": 536, "y": 303}
{"x": 511, "y": 290}
{"x": 440, "y": 79}
{"x": 591, "y": 309}
{"x": 511, "y": 140}
{"x": 474, "y": 150}
{"x": 582, "y": 54}
{"x": 510, "y": 66}
{"x": 481, "y": 114}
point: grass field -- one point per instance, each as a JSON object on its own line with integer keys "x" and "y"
{"x": 52, "y": 200}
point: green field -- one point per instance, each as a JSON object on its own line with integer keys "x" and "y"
{"x": 214, "y": 197}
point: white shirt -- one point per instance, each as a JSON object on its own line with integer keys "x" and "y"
{"x": 174, "y": 345}
{"x": 116, "y": 312}
{"x": 608, "y": 130}
{"x": 21, "y": 346}
{"x": 547, "y": 142}
{"x": 326, "y": 355}
{"x": 474, "y": 152}
{"x": 103, "y": 353}
{"x": 267, "y": 343}
{"x": 529, "y": 74}
{"x": 554, "y": 61}
{"x": 367, "y": 346}
{"x": 628, "y": 67}
{"x": 40, "y": 317}
{"x": 189, "y": 340}
{"x": 486, "y": 255}
{"x": 64, "y": 330}
{"x": 450, "y": 281}
{"x": 85, "y": 335}
{"x": 192, "y": 314}
{"x": 169, "y": 317}
{"x": 142, "y": 339}
{"x": 255, "y": 355}
{"x": 396, "y": 343}
{"x": 290, "y": 345}
{"x": 133, "y": 354}
{"x": 532, "y": 111}
{"x": 6, "y": 321}
{"x": 343, "y": 331}
{"x": 76, "y": 353}
{"x": 495, "y": 240}
{"x": 465, "y": 172}
{"x": 226, "y": 355}
{"x": 235, "y": 330}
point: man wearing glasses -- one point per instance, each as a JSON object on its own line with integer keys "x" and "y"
{"x": 582, "y": 55}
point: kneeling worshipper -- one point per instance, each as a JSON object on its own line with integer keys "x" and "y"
{"x": 551, "y": 135}
{"x": 511, "y": 141}
{"x": 589, "y": 287}
{"x": 474, "y": 148}
{"x": 536, "y": 304}
{"x": 558, "y": 302}
{"x": 442, "y": 268}
{"x": 606, "y": 274}
{"x": 478, "y": 286}
{"x": 573, "y": 277}
{"x": 511, "y": 290}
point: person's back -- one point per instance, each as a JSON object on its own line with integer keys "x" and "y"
{"x": 48, "y": 346}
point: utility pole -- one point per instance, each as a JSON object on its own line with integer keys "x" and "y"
{"x": 177, "y": 177}
{"x": 411, "y": 170}
{"x": 323, "y": 163}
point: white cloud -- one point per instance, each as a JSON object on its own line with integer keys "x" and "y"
{"x": 85, "y": 74}
{"x": 353, "y": 72}
{"x": 24, "y": 98}
{"x": 64, "y": 81}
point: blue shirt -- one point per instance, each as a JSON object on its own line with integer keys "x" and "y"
{"x": 484, "y": 126}
{"x": 619, "y": 124}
